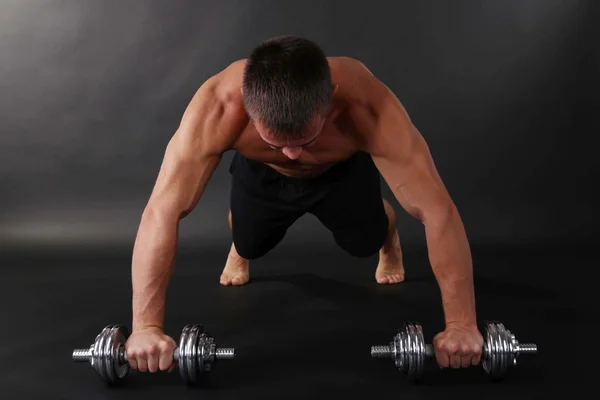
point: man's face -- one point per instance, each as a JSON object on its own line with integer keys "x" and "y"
{"x": 292, "y": 148}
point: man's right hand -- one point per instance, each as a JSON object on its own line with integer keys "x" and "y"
{"x": 149, "y": 349}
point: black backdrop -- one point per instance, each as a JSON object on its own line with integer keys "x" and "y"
{"x": 91, "y": 92}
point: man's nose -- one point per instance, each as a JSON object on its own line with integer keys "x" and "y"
{"x": 292, "y": 152}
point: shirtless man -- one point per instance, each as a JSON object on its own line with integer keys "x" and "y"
{"x": 311, "y": 134}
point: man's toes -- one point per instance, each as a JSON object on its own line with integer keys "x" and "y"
{"x": 225, "y": 280}
{"x": 236, "y": 280}
{"x": 390, "y": 279}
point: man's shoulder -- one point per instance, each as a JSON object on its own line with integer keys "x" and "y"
{"x": 347, "y": 65}
{"x": 226, "y": 84}
{"x": 216, "y": 112}
{"x": 356, "y": 84}
{"x": 364, "y": 99}
{"x": 221, "y": 95}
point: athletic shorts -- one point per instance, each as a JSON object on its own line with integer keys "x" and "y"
{"x": 347, "y": 199}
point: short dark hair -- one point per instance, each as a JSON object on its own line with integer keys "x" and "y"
{"x": 287, "y": 83}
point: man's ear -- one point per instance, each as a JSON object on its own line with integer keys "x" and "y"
{"x": 334, "y": 88}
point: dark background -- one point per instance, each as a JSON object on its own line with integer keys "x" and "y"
{"x": 91, "y": 92}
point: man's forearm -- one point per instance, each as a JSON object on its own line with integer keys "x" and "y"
{"x": 152, "y": 265}
{"x": 450, "y": 258}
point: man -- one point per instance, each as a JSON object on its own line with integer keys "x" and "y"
{"x": 312, "y": 135}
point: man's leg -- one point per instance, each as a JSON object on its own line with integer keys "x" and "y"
{"x": 236, "y": 271}
{"x": 390, "y": 268}
{"x": 362, "y": 223}
{"x": 256, "y": 227}
{"x": 260, "y": 214}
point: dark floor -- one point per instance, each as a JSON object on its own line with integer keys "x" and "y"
{"x": 302, "y": 328}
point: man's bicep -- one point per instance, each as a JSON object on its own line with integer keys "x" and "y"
{"x": 182, "y": 178}
{"x": 209, "y": 127}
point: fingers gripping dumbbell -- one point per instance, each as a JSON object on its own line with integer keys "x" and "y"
{"x": 196, "y": 355}
{"x": 409, "y": 351}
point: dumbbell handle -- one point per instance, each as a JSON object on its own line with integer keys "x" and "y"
{"x": 85, "y": 355}
{"x": 429, "y": 351}
{"x": 388, "y": 351}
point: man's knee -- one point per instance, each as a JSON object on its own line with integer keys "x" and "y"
{"x": 360, "y": 249}
{"x": 363, "y": 243}
{"x": 250, "y": 251}
{"x": 251, "y": 247}
{"x": 367, "y": 237}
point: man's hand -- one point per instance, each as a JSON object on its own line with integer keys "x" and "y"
{"x": 151, "y": 350}
{"x": 458, "y": 346}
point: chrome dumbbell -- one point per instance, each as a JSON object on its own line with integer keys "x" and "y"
{"x": 196, "y": 355}
{"x": 409, "y": 351}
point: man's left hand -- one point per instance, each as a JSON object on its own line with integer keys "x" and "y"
{"x": 458, "y": 346}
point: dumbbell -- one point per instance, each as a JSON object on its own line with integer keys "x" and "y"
{"x": 409, "y": 351}
{"x": 196, "y": 355}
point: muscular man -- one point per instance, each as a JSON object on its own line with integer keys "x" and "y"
{"x": 311, "y": 134}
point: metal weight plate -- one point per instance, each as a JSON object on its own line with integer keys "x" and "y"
{"x": 498, "y": 350}
{"x": 413, "y": 349}
{"x": 208, "y": 355}
{"x": 106, "y": 350}
{"x": 189, "y": 350}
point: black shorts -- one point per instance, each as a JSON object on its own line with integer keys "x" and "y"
{"x": 347, "y": 199}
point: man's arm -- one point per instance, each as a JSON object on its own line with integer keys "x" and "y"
{"x": 403, "y": 158}
{"x": 208, "y": 128}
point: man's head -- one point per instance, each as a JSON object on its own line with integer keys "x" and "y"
{"x": 287, "y": 91}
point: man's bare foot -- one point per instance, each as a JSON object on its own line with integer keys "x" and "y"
{"x": 236, "y": 271}
{"x": 389, "y": 271}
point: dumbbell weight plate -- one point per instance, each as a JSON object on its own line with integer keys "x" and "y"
{"x": 197, "y": 353}
{"x": 410, "y": 350}
{"x": 498, "y": 349}
{"x": 107, "y": 347}
{"x": 188, "y": 348}
{"x": 407, "y": 349}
